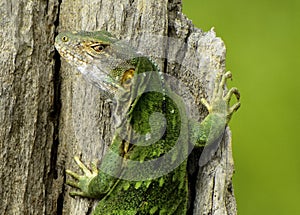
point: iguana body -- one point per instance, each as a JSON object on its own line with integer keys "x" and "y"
{"x": 122, "y": 186}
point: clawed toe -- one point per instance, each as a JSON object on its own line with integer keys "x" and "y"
{"x": 74, "y": 194}
{"x": 206, "y": 104}
{"x": 72, "y": 184}
{"x": 220, "y": 83}
{"x": 73, "y": 174}
{"x": 226, "y": 76}
{"x": 81, "y": 165}
{"x": 235, "y": 107}
{"x": 232, "y": 91}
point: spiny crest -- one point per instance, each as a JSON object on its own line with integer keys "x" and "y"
{"x": 102, "y": 36}
{"x": 138, "y": 184}
{"x": 126, "y": 186}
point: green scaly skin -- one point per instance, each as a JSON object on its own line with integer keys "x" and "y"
{"x": 113, "y": 67}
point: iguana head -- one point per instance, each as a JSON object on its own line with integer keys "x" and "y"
{"x": 100, "y": 57}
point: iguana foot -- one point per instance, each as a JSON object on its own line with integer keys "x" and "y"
{"x": 220, "y": 102}
{"x": 82, "y": 181}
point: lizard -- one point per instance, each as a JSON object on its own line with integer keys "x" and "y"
{"x": 121, "y": 72}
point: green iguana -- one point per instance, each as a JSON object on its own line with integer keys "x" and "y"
{"x": 145, "y": 168}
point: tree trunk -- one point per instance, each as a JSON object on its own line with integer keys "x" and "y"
{"x": 48, "y": 114}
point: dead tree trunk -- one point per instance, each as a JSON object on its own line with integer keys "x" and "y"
{"x": 48, "y": 114}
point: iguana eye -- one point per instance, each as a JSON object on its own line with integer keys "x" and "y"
{"x": 98, "y": 47}
{"x": 65, "y": 39}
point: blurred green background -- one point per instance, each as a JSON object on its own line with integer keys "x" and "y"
{"x": 263, "y": 53}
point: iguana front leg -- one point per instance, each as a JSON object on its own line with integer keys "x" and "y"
{"x": 96, "y": 183}
{"x": 220, "y": 113}
{"x": 82, "y": 181}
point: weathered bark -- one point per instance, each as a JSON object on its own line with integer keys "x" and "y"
{"x": 30, "y": 179}
{"x": 48, "y": 114}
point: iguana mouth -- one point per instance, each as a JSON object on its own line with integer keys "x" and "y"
{"x": 72, "y": 56}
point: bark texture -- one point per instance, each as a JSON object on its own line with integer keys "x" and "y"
{"x": 48, "y": 114}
